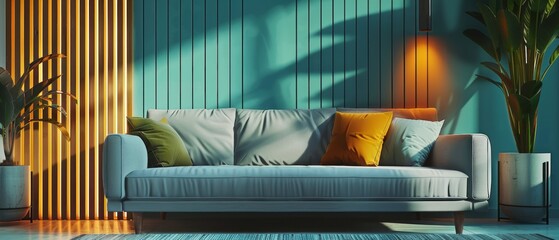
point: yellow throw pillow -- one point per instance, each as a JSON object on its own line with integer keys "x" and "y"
{"x": 357, "y": 139}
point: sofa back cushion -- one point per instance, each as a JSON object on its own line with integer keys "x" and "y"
{"x": 206, "y": 133}
{"x": 428, "y": 114}
{"x": 282, "y": 137}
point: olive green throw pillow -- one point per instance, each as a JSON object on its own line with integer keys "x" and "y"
{"x": 165, "y": 147}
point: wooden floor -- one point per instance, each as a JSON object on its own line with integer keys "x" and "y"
{"x": 65, "y": 229}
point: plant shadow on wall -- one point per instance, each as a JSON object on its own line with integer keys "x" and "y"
{"x": 331, "y": 74}
{"x": 371, "y": 84}
{"x": 334, "y": 66}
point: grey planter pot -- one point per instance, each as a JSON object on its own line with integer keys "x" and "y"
{"x": 15, "y": 200}
{"x": 521, "y": 184}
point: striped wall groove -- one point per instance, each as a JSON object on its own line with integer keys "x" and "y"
{"x": 278, "y": 54}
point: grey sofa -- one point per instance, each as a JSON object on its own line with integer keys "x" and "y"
{"x": 269, "y": 161}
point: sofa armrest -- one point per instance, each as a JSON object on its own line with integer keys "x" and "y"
{"x": 467, "y": 153}
{"x": 122, "y": 154}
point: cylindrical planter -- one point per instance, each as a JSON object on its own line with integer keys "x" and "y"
{"x": 521, "y": 185}
{"x": 15, "y": 199}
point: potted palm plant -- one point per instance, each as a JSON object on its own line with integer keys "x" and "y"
{"x": 17, "y": 108}
{"x": 519, "y": 36}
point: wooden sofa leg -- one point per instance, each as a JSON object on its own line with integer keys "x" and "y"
{"x": 138, "y": 220}
{"x": 459, "y": 222}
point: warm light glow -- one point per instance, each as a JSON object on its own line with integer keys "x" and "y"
{"x": 425, "y": 70}
{"x": 67, "y": 174}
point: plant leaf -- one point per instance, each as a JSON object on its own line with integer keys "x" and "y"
{"x": 477, "y": 16}
{"x": 549, "y": 7}
{"x": 554, "y": 56}
{"x": 6, "y": 78}
{"x": 30, "y": 96}
{"x": 531, "y": 88}
{"x": 496, "y": 83}
{"x": 538, "y": 5}
{"x": 60, "y": 93}
{"x": 503, "y": 76}
{"x": 6, "y": 106}
{"x": 52, "y": 121}
{"x": 510, "y": 29}
{"x": 483, "y": 41}
{"x": 549, "y": 29}
{"x": 31, "y": 67}
{"x": 26, "y": 114}
{"x": 490, "y": 21}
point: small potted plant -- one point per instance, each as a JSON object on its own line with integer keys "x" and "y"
{"x": 519, "y": 35}
{"x": 17, "y": 108}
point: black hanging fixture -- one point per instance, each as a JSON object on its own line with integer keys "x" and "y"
{"x": 425, "y": 15}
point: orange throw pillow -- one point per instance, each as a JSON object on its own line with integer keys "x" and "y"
{"x": 357, "y": 139}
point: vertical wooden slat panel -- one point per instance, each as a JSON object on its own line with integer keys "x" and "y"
{"x": 67, "y": 174}
{"x": 105, "y": 83}
{"x": 49, "y": 137}
{"x": 96, "y": 116}
{"x": 22, "y": 61}
{"x": 37, "y": 35}
{"x": 58, "y": 155}
{"x": 68, "y": 107}
{"x": 86, "y": 99}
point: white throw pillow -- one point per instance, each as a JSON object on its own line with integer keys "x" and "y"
{"x": 409, "y": 142}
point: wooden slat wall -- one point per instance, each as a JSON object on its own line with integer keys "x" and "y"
{"x": 98, "y": 70}
{"x": 279, "y": 54}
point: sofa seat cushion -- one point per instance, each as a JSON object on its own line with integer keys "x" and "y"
{"x": 295, "y": 183}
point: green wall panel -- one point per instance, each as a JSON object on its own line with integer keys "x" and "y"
{"x": 269, "y": 54}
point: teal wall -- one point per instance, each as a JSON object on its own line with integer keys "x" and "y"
{"x": 274, "y": 54}
{"x": 312, "y": 54}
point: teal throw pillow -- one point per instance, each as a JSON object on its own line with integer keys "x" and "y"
{"x": 409, "y": 142}
{"x": 164, "y": 146}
